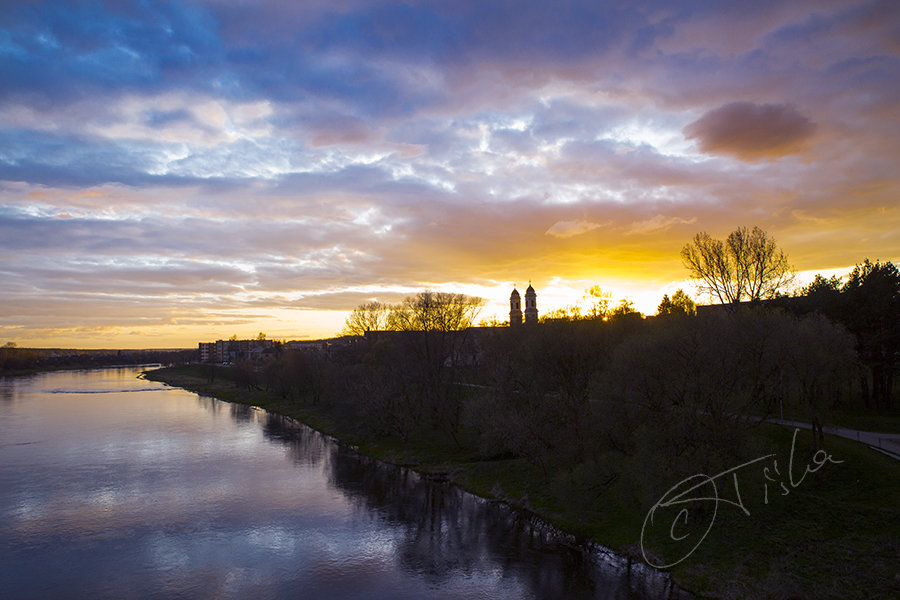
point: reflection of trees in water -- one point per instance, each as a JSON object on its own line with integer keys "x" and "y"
{"x": 305, "y": 446}
{"x": 213, "y": 405}
{"x": 7, "y": 389}
{"x": 242, "y": 413}
{"x": 448, "y": 531}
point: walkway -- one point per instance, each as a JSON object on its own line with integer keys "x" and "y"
{"x": 887, "y": 443}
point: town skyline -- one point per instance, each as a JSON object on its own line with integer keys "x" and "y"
{"x": 199, "y": 170}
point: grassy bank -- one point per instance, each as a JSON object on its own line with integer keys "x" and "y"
{"x": 832, "y": 533}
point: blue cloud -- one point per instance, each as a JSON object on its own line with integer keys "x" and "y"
{"x": 72, "y": 48}
{"x": 72, "y": 160}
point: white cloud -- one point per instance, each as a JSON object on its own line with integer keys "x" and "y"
{"x": 567, "y": 229}
{"x": 657, "y": 224}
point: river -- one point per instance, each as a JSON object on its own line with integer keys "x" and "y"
{"x": 112, "y": 486}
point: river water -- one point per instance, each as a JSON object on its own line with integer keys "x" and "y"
{"x": 112, "y": 486}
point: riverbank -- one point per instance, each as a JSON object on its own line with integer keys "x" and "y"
{"x": 836, "y": 533}
{"x": 16, "y": 362}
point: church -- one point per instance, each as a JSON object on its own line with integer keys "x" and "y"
{"x": 515, "y": 307}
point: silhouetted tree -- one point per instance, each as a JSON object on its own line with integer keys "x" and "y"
{"x": 597, "y": 302}
{"x": 538, "y": 402}
{"x": 818, "y": 359}
{"x": 820, "y": 285}
{"x": 381, "y": 387}
{"x": 871, "y": 310}
{"x": 679, "y": 304}
{"x": 823, "y": 296}
{"x": 566, "y": 313}
{"x": 436, "y": 331}
{"x": 747, "y": 265}
{"x": 435, "y": 311}
{"x": 13, "y": 358}
{"x": 594, "y": 305}
{"x": 244, "y": 374}
{"x": 682, "y": 395}
{"x": 625, "y": 307}
{"x": 371, "y": 316}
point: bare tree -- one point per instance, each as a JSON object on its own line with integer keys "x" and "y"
{"x": 437, "y": 323}
{"x": 435, "y": 311}
{"x": 371, "y": 316}
{"x": 747, "y": 265}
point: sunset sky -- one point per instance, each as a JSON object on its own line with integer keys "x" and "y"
{"x": 172, "y": 172}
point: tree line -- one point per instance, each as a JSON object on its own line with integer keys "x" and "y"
{"x": 748, "y": 266}
{"x": 867, "y": 305}
{"x": 14, "y": 359}
{"x": 589, "y": 403}
{"x": 595, "y": 401}
{"x": 426, "y": 311}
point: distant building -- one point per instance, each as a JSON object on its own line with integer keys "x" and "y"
{"x": 531, "y": 312}
{"x": 325, "y": 347}
{"x": 467, "y": 353}
{"x": 314, "y": 346}
{"x": 515, "y": 307}
{"x": 227, "y": 351}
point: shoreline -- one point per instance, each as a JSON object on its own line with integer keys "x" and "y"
{"x": 432, "y": 471}
{"x": 429, "y": 471}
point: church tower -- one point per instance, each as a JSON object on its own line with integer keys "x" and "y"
{"x": 531, "y": 314}
{"x": 515, "y": 309}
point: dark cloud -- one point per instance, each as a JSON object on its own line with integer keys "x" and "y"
{"x": 752, "y": 132}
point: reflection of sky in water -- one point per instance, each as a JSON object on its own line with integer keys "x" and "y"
{"x": 113, "y": 486}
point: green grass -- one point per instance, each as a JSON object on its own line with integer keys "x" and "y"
{"x": 881, "y": 421}
{"x": 834, "y": 535}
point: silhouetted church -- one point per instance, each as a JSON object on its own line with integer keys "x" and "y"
{"x": 515, "y": 307}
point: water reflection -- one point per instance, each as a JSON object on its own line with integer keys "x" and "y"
{"x": 114, "y": 487}
{"x": 447, "y": 532}
{"x": 10, "y": 385}
{"x": 242, "y": 413}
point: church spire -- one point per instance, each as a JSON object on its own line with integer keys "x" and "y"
{"x": 531, "y": 313}
{"x": 515, "y": 308}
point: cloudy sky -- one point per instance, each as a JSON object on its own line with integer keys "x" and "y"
{"x": 181, "y": 171}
